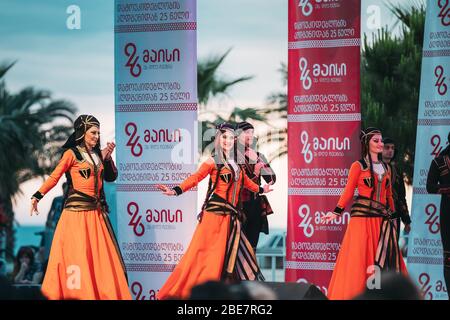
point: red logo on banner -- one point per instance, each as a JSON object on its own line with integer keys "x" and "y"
{"x": 136, "y": 289}
{"x": 306, "y": 6}
{"x": 440, "y": 81}
{"x": 306, "y": 149}
{"x": 132, "y": 63}
{"x": 304, "y": 73}
{"x": 432, "y": 221}
{"x": 436, "y": 143}
{"x": 322, "y": 146}
{"x": 309, "y": 219}
{"x": 424, "y": 280}
{"x": 135, "y": 221}
{"x": 161, "y": 55}
{"x": 164, "y": 216}
{"x": 440, "y": 287}
{"x": 322, "y": 72}
{"x": 306, "y": 224}
{"x": 133, "y": 142}
{"x": 162, "y": 135}
{"x": 323, "y": 127}
{"x": 444, "y": 14}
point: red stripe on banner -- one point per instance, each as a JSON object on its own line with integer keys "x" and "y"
{"x": 156, "y": 107}
{"x": 425, "y": 260}
{"x": 150, "y": 267}
{"x": 433, "y": 122}
{"x": 156, "y": 128}
{"x": 156, "y": 27}
{"x": 304, "y": 265}
{"x": 324, "y": 117}
{"x": 420, "y": 191}
{"x": 436, "y": 53}
{"x": 323, "y": 131}
{"x": 315, "y": 191}
{"x": 425, "y": 254}
{"x": 339, "y": 43}
{"x": 144, "y": 187}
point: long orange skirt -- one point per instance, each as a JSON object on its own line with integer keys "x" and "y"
{"x": 203, "y": 260}
{"x": 84, "y": 263}
{"x": 357, "y": 254}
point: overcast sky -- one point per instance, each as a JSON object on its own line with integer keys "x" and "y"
{"x": 77, "y": 65}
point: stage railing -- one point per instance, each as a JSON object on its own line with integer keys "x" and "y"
{"x": 272, "y": 254}
{"x": 273, "y": 268}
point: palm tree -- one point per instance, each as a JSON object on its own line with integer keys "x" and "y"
{"x": 390, "y": 81}
{"x": 278, "y": 109}
{"x": 29, "y": 141}
{"x": 210, "y": 85}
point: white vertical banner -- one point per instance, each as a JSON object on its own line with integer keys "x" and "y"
{"x": 156, "y": 134}
{"x": 425, "y": 255}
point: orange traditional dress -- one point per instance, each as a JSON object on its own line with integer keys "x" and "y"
{"x": 85, "y": 261}
{"x": 218, "y": 250}
{"x": 371, "y": 238}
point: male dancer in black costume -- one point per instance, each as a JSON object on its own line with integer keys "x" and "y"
{"x": 398, "y": 186}
{"x": 438, "y": 181}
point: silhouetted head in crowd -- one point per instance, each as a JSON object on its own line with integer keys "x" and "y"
{"x": 258, "y": 291}
{"x": 393, "y": 286}
{"x": 2, "y": 267}
{"x": 240, "y": 292}
{"x": 245, "y": 290}
{"x": 9, "y": 292}
{"x": 24, "y": 256}
{"x": 6, "y": 289}
{"x": 211, "y": 290}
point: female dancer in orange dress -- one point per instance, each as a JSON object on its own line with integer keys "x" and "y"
{"x": 218, "y": 250}
{"x": 85, "y": 261}
{"x": 370, "y": 241}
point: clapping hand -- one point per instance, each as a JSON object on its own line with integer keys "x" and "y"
{"x": 108, "y": 150}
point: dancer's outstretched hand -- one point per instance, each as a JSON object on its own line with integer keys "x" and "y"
{"x": 166, "y": 190}
{"x": 267, "y": 188}
{"x": 330, "y": 216}
{"x": 108, "y": 150}
{"x": 258, "y": 168}
{"x": 34, "y": 209}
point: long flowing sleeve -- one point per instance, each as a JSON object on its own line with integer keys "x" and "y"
{"x": 434, "y": 183}
{"x": 64, "y": 164}
{"x": 349, "y": 189}
{"x": 433, "y": 178}
{"x": 194, "y": 179}
{"x": 250, "y": 185}
{"x": 390, "y": 198}
{"x": 401, "y": 201}
{"x": 266, "y": 171}
{"x": 110, "y": 173}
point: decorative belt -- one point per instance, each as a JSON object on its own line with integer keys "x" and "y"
{"x": 240, "y": 259}
{"x": 79, "y": 201}
{"x": 388, "y": 252}
{"x": 219, "y": 205}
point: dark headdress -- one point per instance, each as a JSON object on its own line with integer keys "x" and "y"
{"x": 82, "y": 124}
